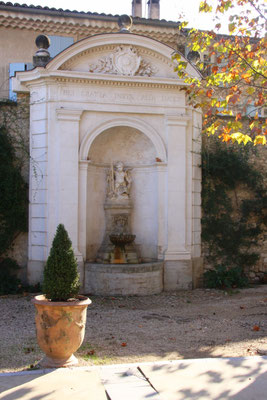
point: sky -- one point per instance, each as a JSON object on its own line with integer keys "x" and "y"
{"x": 171, "y": 10}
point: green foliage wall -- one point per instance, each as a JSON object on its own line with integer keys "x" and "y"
{"x": 234, "y": 205}
{"x": 13, "y": 209}
{"x": 14, "y": 194}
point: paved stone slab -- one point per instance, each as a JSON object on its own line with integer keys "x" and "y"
{"x": 61, "y": 384}
{"x": 210, "y": 379}
{"x": 126, "y": 383}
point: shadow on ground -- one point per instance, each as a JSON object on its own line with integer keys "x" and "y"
{"x": 178, "y": 325}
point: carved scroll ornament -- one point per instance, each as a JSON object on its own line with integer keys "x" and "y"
{"x": 124, "y": 61}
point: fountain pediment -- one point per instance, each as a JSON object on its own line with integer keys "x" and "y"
{"x": 127, "y": 55}
{"x": 122, "y": 60}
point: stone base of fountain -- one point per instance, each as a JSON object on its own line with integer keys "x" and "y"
{"x": 123, "y": 279}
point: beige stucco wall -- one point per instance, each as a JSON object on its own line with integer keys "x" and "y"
{"x": 17, "y": 46}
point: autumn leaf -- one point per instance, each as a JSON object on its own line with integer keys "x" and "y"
{"x": 204, "y": 7}
{"x": 246, "y": 77}
{"x": 209, "y": 92}
{"x": 240, "y": 138}
{"x": 232, "y": 27}
{"x": 256, "y": 328}
{"x": 226, "y": 137}
{"x": 260, "y": 139}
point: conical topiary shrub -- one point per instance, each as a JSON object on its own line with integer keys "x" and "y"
{"x": 61, "y": 277}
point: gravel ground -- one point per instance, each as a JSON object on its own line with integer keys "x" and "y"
{"x": 183, "y": 324}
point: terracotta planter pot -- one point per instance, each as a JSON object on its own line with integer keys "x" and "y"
{"x": 60, "y": 328}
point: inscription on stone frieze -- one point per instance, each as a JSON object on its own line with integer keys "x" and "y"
{"x": 96, "y": 96}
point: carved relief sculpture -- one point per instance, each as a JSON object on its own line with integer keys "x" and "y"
{"x": 124, "y": 61}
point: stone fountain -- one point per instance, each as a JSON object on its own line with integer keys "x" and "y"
{"x": 118, "y": 269}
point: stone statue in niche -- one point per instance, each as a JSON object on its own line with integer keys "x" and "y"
{"x": 119, "y": 182}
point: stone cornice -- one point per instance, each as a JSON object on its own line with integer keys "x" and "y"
{"x": 24, "y": 80}
{"x": 106, "y": 81}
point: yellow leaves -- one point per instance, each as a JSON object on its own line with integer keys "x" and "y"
{"x": 213, "y": 128}
{"x": 213, "y": 102}
{"x": 239, "y": 137}
{"x": 260, "y": 139}
{"x": 204, "y": 7}
{"x": 196, "y": 47}
{"x": 261, "y": 61}
{"x": 250, "y": 90}
{"x": 176, "y": 57}
{"x": 182, "y": 25}
{"x": 232, "y": 27}
{"x": 246, "y": 76}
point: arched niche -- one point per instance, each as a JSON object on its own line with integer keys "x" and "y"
{"x": 137, "y": 152}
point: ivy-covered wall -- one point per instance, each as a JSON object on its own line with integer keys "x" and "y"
{"x": 234, "y": 207}
{"x": 14, "y": 122}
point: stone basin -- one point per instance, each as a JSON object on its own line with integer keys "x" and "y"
{"x": 121, "y": 239}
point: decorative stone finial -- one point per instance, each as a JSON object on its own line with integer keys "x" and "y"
{"x": 42, "y": 55}
{"x": 193, "y": 56}
{"x": 125, "y": 23}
